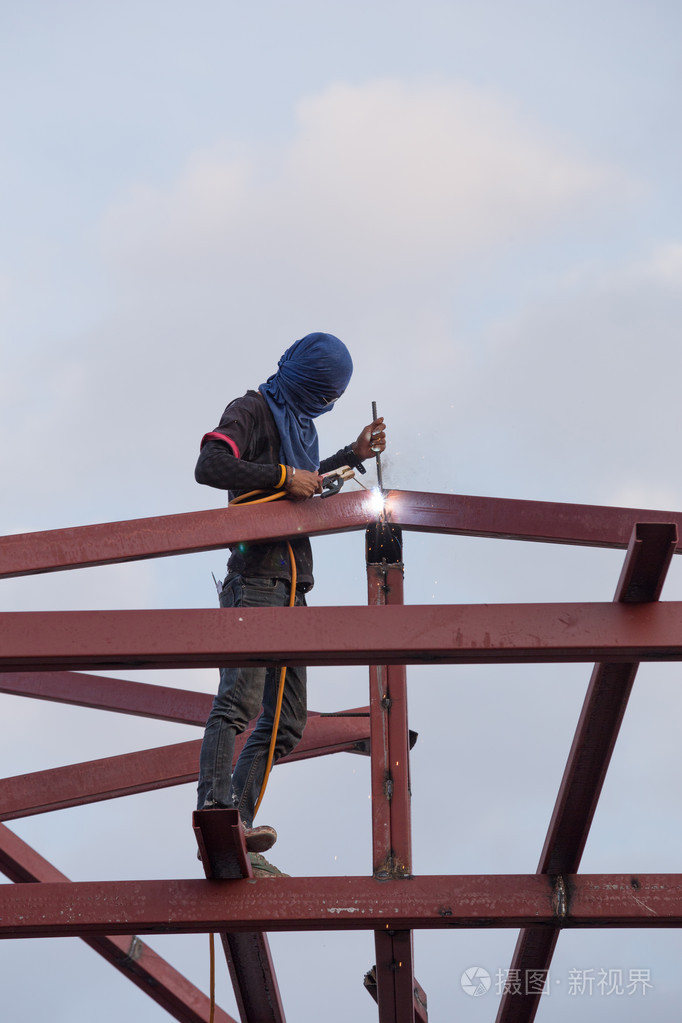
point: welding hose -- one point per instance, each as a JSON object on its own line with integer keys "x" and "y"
{"x": 243, "y": 499}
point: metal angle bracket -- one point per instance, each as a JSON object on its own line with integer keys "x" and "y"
{"x": 222, "y": 849}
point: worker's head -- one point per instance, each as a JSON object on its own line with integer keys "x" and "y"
{"x": 313, "y": 373}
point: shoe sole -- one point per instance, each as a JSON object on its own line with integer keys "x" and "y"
{"x": 260, "y": 841}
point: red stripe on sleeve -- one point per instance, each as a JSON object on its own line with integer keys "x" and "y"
{"x": 223, "y": 438}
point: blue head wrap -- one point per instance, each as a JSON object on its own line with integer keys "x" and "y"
{"x": 312, "y": 374}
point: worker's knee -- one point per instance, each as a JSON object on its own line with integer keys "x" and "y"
{"x": 290, "y": 734}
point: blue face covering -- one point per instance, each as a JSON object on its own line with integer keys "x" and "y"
{"x": 312, "y": 375}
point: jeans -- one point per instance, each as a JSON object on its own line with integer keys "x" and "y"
{"x": 241, "y": 693}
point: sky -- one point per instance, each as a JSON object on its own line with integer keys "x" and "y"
{"x": 482, "y": 200}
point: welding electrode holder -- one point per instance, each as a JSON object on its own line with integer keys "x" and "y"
{"x": 334, "y": 480}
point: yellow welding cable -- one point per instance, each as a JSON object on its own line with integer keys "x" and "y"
{"x": 243, "y": 499}
{"x": 280, "y": 692}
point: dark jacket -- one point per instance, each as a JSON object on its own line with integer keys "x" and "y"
{"x": 248, "y": 459}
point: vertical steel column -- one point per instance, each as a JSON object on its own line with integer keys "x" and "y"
{"x": 391, "y": 821}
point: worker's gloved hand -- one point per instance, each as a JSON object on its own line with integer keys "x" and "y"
{"x": 302, "y": 484}
{"x": 372, "y": 440}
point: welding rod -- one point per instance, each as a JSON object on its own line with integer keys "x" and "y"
{"x": 379, "y": 477}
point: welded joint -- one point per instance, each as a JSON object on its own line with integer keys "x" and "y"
{"x": 134, "y": 952}
{"x": 559, "y": 898}
{"x": 420, "y": 998}
{"x": 391, "y": 869}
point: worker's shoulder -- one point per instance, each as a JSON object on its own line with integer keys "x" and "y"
{"x": 251, "y": 404}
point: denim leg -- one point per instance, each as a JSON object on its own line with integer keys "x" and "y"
{"x": 240, "y": 695}
{"x": 250, "y": 769}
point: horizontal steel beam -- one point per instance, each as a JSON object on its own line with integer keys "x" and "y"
{"x": 424, "y": 634}
{"x": 585, "y": 525}
{"x": 110, "y": 543}
{"x": 131, "y": 956}
{"x": 111, "y": 777}
{"x": 340, "y": 903}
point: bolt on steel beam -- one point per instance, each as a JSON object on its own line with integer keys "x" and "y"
{"x": 646, "y": 564}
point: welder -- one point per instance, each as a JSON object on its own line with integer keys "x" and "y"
{"x": 267, "y": 440}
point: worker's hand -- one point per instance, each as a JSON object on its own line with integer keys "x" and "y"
{"x": 372, "y": 440}
{"x": 302, "y": 484}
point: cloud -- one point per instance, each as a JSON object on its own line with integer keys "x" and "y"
{"x": 376, "y": 179}
{"x": 363, "y": 222}
{"x": 582, "y": 387}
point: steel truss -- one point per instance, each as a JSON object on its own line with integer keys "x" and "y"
{"x": 38, "y": 652}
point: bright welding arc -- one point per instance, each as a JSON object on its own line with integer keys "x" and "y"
{"x": 378, "y": 502}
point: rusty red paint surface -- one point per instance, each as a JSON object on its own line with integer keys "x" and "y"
{"x": 586, "y": 525}
{"x": 112, "y": 694}
{"x": 391, "y": 812}
{"x": 137, "y": 539}
{"x": 424, "y": 634}
{"x": 111, "y": 543}
{"x": 338, "y": 903}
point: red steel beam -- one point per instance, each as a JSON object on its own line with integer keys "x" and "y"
{"x": 141, "y": 699}
{"x": 131, "y": 956}
{"x": 420, "y": 1002}
{"x": 424, "y": 634}
{"x": 161, "y": 536}
{"x": 432, "y": 902}
{"x": 646, "y": 564}
{"x": 93, "y": 781}
{"x": 113, "y": 694}
{"x": 396, "y": 986}
{"x": 110, "y": 543}
{"x": 77, "y": 784}
{"x": 222, "y": 848}
{"x": 391, "y": 820}
{"x": 587, "y": 525}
